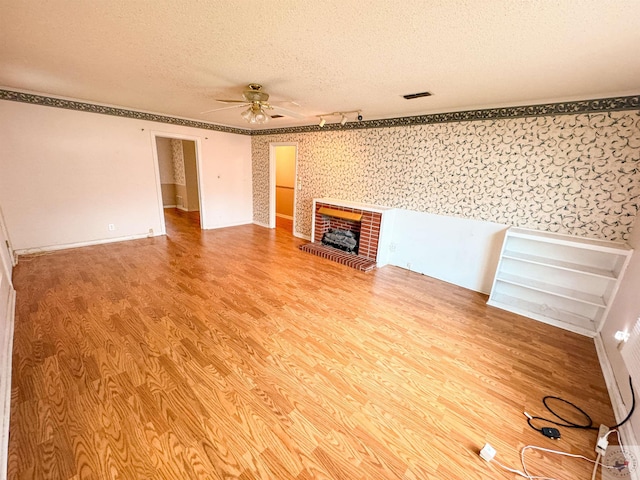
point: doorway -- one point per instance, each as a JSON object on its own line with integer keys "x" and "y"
{"x": 178, "y": 181}
{"x": 284, "y": 186}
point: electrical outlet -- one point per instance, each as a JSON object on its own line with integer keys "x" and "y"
{"x": 111, "y": 227}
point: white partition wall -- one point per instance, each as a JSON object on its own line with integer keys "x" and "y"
{"x": 457, "y": 250}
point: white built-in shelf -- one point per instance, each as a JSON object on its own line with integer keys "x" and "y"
{"x": 574, "y": 267}
{"x": 567, "y": 320}
{"x": 558, "y": 279}
{"x": 552, "y": 289}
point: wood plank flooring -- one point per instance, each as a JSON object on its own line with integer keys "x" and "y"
{"x": 285, "y": 224}
{"x": 231, "y": 354}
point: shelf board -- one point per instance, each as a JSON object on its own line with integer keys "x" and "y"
{"x": 552, "y": 316}
{"x": 560, "y": 264}
{"x": 551, "y": 289}
{"x": 617, "y": 248}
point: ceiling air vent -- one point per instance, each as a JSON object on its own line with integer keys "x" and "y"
{"x": 411, "y": 96}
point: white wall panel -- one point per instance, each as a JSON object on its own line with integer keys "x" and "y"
{"x": 459, "y": 251}
{"x": 66, "y": 175}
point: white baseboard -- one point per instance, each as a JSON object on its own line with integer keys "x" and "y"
{"x": 6, "y": 350}
{"x": 288, "y": 217}
{"x": 182, "y": 208}
{"x": 260, "y": 224}
{"x": 51, "y": 248}
{"x": 627, "y": 435}
{"x": 300, "y": 235}
{"x": 169, "y": 206}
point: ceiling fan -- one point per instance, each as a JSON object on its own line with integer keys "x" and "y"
{"x": 258, "y": 101}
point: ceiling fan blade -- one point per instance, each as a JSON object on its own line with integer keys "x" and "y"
{"x": 232, "y": 101}
{"x": 287, "y": 113}
{"x": 223, "y": 108}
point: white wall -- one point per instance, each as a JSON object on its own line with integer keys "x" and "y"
{"x": 457, "y": 250}
{"x": 225, "y": 180}
{"x": 623, "y": 315}
{"x": 65, "y": 175}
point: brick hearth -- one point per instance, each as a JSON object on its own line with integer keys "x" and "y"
{"x": 348, "y": 259}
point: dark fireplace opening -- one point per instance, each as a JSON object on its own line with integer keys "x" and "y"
{"x": 345, "y": 240}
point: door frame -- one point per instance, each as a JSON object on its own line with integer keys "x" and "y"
{"x": 272, "y": 183}
{"x": 156, "y": 166}
{"x": 7, "y": 259}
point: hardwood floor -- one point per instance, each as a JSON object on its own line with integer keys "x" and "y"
{"x": 231, "y": 354}
{"x": 285, "y": 224}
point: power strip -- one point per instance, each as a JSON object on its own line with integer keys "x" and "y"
{"x": 603, "y": 442}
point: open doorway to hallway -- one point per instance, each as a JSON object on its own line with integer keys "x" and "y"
{"x": 177, "y": 165}
{"x": 285, "y": 186}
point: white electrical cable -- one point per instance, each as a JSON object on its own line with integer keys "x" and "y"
{"x": 518, "y": 472}
{"x": 525, "y": 474}
{"x": 595, "y": 468}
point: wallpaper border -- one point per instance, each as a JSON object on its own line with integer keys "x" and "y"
{"x": 114, "y": 111}
{"x": 612, "y": 104}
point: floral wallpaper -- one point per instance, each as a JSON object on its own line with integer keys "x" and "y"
{"x": 178, "y": 161}
{"x": 575, "y": 174}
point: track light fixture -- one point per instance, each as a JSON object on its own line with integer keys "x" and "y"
{"x": 343, "y": 117}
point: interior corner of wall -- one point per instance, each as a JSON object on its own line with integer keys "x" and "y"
{"x": 634, "y": 236}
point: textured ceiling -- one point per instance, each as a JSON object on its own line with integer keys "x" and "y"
{"x": 176, "y": 57}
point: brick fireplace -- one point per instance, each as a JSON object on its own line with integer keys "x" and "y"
{"x": 368, "y": 227}
{"x": 364, "y": 220}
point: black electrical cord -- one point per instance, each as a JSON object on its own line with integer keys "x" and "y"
{"x": 567, "y": 423}
{"x": 587, "y": 425}
{"x": 633, "y": 407}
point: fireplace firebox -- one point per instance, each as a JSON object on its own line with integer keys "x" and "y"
{"x": 345, "y": 240}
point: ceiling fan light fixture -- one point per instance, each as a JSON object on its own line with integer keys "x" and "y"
{"x": 260, "y": 116}
{"x": 247, "y": 114}
{"x": 255, "y": 114}
{"x": 258, "y": 102}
